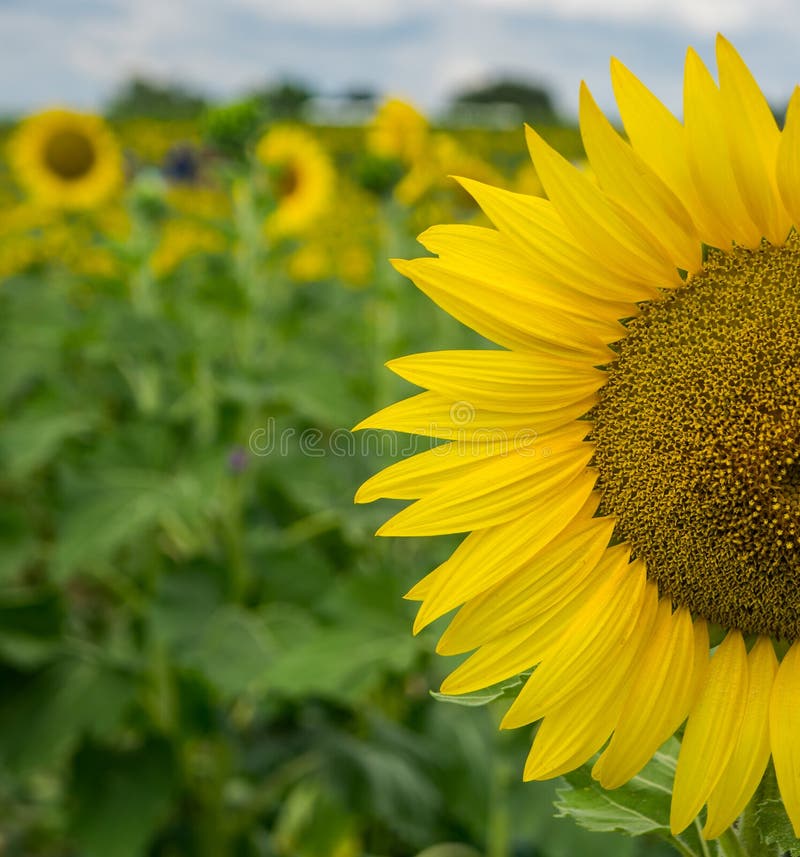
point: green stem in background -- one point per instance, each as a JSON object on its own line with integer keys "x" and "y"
{"x": 240, "y": 573}
{"x": 381, "y": 309}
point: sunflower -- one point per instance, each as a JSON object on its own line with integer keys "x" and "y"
{"x": 302, "y": 179}
{"x": 399, "y": 131}
{"x": 66, "y": 160}
{"x": 628, "y": 466}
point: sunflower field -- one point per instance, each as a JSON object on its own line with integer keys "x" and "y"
{"x": 204, "y": 650}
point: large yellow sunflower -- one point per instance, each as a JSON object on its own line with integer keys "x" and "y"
{"x": 628, "y": 467}
{"x": 303, "y": 179}
{"x": 65, "y": 159}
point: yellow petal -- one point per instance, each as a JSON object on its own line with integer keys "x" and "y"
{"x": 599, "y": 224}
{"x": 784, "y": 736}
{"x": 598, "y": 633}
{"x": 788, "y": 166}
{"x": 494, "y": 491}
{"x": 659, "y": 138}
{"x": 507, "y": 317}
{"x": 510, "y": 655}
{"x": 700, "y": 662}
{"x": 753, "y": 139}
{"x": 746, "y": 767}
{"x": 525, "y": 646}
{"x": 501, "y": 380}
{"x": 556, "y": 572}
{"x": 626, "y": 178}
{"x": 418, "y": 475}
{"x": 712, "y": 731}
{"x": 528, "y": 270}
{"x": 486, "y": 557}
{"x": 534, "y": 229}
{"x": 657, "y": 701}
{"x": 576, "y": 729}
{"x": 709, "y": 158}
{"x": 434, "y": 415}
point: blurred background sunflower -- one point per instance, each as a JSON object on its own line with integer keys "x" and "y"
{"x": 65, "y": 159}
{"x": 301, "y": 179}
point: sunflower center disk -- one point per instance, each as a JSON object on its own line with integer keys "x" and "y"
{"x": 69, "y": 155}
{"x": 698, "y": 441}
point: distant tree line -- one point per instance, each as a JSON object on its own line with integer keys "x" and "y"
{"x": 287, "y": 99}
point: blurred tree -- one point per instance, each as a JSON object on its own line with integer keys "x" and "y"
{"x": 283, "y": 100}
{"x": 532, "y": 99}
{"x": 142, "y": 97}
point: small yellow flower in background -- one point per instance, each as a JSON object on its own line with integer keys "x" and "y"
{"x": 343, "y": 243}
{"x": 65, "y": 159}
{"x": 399, "y": 131}
{"x": 31, "y": 234}
{"x": 310, "y": 263}
{"x": 302, "y": 179}
{"x": 626, "y": 467}
{"x": 440, "y": 158}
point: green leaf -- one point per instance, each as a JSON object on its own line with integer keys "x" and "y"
{"x": 337, "y": 662}
{"x": 640, "y": 806}
{"x": 18, "y": 542}
{"x": 118, "y": 798}
{"x": 126, "y": 503}
{"x": 34, "y": 437}
{"x": 30, "y": 626}
{"x": 770, "y": 818}
{"x": 449, "y": 849}
{"x": 313, "y": 823}
{"x": 43, "y": 718}
{"x": 483, "y": 697}
{"x": 230, "y": 650}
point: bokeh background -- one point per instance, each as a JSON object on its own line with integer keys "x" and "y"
{"x": 204, "y": 651}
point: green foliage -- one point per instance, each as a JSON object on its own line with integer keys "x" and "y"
{"x": 230, "y": 128}
{"x": 203, "y": 649}
{"x": 768, "y": 829}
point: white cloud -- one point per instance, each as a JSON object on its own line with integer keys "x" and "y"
{"x": 703, "y": 16}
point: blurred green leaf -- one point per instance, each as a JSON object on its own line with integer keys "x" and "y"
{"x": 343, "y": 663}
{"x": 43, "y": 718}
{"x": 231, "y": 650}
{"x": 18, "y": 543}
{"x": 31, "y": 626}
{"x": 36, "y": 435}
{"x": 449, "y": 849}
{"x": 119, "y": 797}
{"x": 129, "y": 502}
{"x": 314, "y": 823}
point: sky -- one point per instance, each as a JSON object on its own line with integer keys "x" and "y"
{"x": 76, "y": 52}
